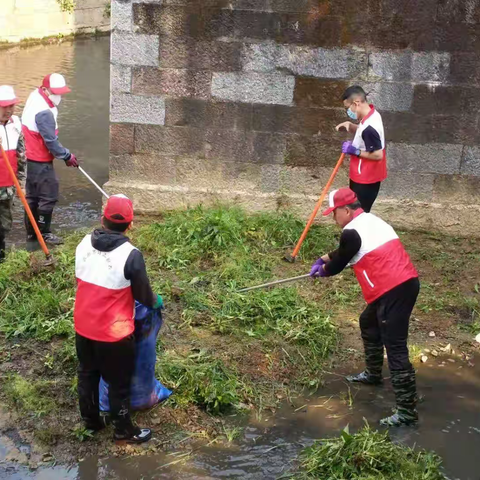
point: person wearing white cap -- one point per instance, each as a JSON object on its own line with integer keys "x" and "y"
{"x": 11, "y": 138}
{"x": 40, "y": 128}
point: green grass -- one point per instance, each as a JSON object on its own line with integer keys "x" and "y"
{"x": 366, "y": 455}
{"x": 29, "y": 397}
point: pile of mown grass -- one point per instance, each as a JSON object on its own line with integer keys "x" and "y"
{"x": 366, "y": 455}
{"x": 206, "y": 254}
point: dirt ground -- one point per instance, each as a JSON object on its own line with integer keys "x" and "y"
{"x": 439, "y": 326}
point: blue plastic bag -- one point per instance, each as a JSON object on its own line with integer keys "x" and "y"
{"x": 146, "y": 390}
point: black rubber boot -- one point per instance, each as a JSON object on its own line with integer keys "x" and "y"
{"x": 31, "y": 237}
{"x": 126, "y": 431}
{"x": 45, "y": 222}
{"x": 374, "y": 363}
{"x": 404, "y": 386}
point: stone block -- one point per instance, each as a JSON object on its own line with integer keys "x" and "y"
{"x": 391, "y": 66}
{"x": 147, "y": 168}
{"x": 121, "y": 138}
{"x": 199, "y": 55}
{"x": 310, "y": 181}
{"x": 429, "y": 158}
{"x": 251, "y": 87}
{"x": 452, "y": 129}
{"x": 171, "y": 82}
{"x": 458, "y": 11}
{"x": 170, "y": 141}
{"x": 456, "y": 189}
{"x": 408, "y": 185}
{"x": 457, "y": 37}
{"x": 244, "y": 177}
{"x": 126, "y": 108}
{"x": 306, "y": 61}
{"x": 202, "y": 114}
{"x": 270, "y": 178}
{"x": 406, "y": 127}
{"x": 430, "y": 67}
{"x": 307, "y": 29}
{"x": 134, "y": 49}
{"x": 234, "y": 146}
{"x": 120, "y": 78}
{"x": 464, "y": 68}
{"x": 306, "y": 121}
{"x": 471, "y": 161}
{"x": 445, "y": 100}
{"x": 268, "y": 148}
{"x": 400, "y": 33}
{"x": 201, "y": 173}
{"x": 395, "y": 97}
{"x": 312, "y": 151}
{"x": 121, "y": 16}
{"x": 311, "y": 92}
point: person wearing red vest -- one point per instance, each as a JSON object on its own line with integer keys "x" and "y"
{"x": 390, "y": 286}
{"x": 111, "y": 275}
{"x": 40, "y": 128}
{"x": 368, "y": 161}
{"x": 12, "y": 141}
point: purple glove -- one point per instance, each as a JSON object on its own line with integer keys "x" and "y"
{"x": 349, "y": 149}
{"x": 317, "y": 269}
{"x": 72, "y": 161}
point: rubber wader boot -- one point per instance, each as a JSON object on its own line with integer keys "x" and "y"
{"x": 404, "y": 386}
{"x": 374, "y": 362}
{"x": 45, "y": 222}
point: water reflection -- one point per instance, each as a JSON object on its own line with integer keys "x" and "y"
{"x": 83, "y": 117}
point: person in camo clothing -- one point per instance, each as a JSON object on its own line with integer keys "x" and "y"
{"x": 13, "y": 143}
{"x": 390, "y": 285}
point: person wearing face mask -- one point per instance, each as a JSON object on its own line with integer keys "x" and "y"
{"x": 40, "y": 128}
{"x": 368, "y": 162}
{"x": 12, "y": 141}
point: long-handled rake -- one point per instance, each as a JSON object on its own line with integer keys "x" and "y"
{"x": 291, "y": 258}
{"x": 48, "y": 255}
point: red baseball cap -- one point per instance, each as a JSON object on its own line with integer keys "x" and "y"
{"x": 56, "y": 84}
{"x": 7, "y": 96}
{"x": 340, "y": 198}
{"x": 119, "y": 209}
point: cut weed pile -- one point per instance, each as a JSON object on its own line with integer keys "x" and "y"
{"x": 220, "y": 351}
{"x": 366, "y": 455}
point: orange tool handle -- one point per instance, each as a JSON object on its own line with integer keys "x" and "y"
{"x": 318, "y": 205}
{"x": 25, "y": 204}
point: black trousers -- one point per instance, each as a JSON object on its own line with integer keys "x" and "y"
{"x": 115, "y": 362}
{"x": 42, "y": 186}
{"x": 384, "y": 323}
{"x": 366, "y": 193}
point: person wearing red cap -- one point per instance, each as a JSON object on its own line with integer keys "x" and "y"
{"x": 40, "y": 128}
{"x": 13, "y": 143}
{"x": 111, "y": 275}
{"x": 368, "y": 161}
{"x": 390, "y": 285}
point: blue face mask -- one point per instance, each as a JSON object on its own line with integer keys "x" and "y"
{"x": 352, "y": 115}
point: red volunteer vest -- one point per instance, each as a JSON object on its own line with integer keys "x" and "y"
{"x": 382, "y": 263}
{"x": 363, "y": 170}
{"x": 9, "y": 135}
{"x": 36, "y": 149}
{"x": 104, "y": 304}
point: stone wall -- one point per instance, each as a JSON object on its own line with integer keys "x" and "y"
{"x": 237, "y": 100}
{"x": 21, "y": 19}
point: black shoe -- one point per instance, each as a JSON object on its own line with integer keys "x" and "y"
{"x": 137, "y": 436}
{"x": 52, "y": 239}
{"x": 365, "y": 378}
{"x": 32, "y": 243}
